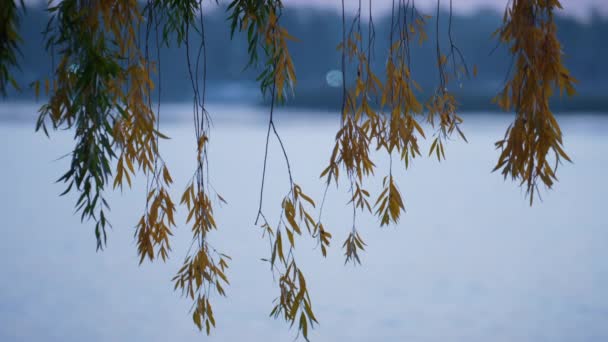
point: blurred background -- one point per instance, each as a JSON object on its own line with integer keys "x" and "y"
{"x": 469, "y": 260}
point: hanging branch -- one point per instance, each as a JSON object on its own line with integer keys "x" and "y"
{"x": 530, "y": 32}
{"x": 154, "y": 227}
{"x": 204, "y": 271}
{"x": 442, "y": 104}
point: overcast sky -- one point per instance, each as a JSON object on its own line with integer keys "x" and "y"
{"x": 579, "y": 8}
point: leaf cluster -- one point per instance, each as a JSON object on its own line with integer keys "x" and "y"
{"x": 530, "y": 31}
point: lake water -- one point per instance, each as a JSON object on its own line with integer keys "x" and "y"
{"x": 469, "y": 261}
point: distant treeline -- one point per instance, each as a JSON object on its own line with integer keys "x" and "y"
{"x": 315, "y": 54}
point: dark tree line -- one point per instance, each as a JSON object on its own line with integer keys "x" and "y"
{"x": 315, "y": 54}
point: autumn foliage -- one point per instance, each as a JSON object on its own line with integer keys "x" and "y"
{"x": 103, "y": 89}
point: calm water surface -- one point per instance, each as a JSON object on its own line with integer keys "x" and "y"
{"x": 470, "y": 260}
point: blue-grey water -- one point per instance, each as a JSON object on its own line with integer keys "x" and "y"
{"x": 469, "y": 261}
